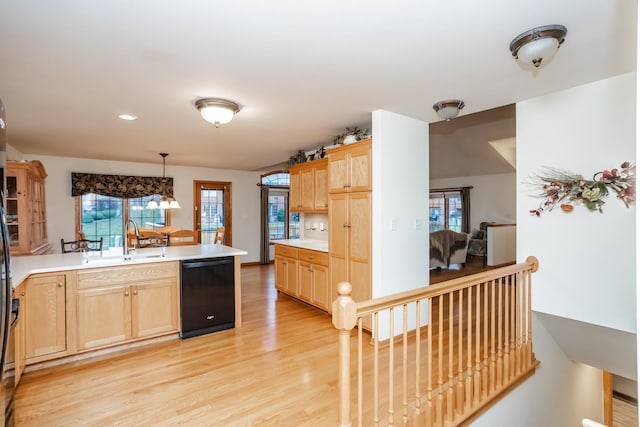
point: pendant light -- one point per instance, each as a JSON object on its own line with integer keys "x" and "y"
{"x": 165, "y": 202}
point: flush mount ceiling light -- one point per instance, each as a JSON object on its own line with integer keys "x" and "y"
{"x": 448, "y": 109}
{"x": 165, "y": 202}
{"x": 217, "y": 111}
{"x": 538, "y": 44}
{"x": 127, "y": 117}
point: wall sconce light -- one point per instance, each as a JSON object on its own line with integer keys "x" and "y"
{"x": 448, "y": 109}
{"x": 217, "y": 111}
{"x": 538, "y": 44}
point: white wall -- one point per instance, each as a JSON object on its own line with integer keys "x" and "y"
{"x": 493, "y": 197}
{"x": 245, "y": 196}
{"x": 400, "y": 159}
{"x": 587, "y": 259}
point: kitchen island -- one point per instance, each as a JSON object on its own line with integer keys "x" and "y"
{"x": 75, "y": 305}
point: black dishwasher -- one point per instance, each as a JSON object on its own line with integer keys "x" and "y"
{"x": 207, "y": 300}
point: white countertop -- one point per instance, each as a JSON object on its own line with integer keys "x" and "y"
{"x": 23, "y": 266}
{"x": 312, "y": 244}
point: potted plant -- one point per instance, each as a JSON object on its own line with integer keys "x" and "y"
{"x": 351, "y": 135}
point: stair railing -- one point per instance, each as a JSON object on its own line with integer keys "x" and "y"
{"x": 456, "y": 347}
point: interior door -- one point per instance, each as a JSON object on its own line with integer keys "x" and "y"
{"x": 212, "y": 209}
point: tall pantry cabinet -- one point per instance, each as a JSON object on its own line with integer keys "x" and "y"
{"x": 350, "y": 218}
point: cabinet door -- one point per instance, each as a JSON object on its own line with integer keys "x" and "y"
{"x": 360, "y": 167}
{"x": 291, "y": 282}
{"x": 321, "y": 297}
{"x": 360, "y": 245}
{"x": 338, "y": 170}
{"x": 104, "y": 316}
{"x": 307, "y": 185}
{"x": 295, "y": 203}
{"x": 154, "y": 308}
{"x": 338, "y": 234}
{"x": 305, "y": 281}
{"x": 280, "y": 266}
{"x": 321, "y": 202}
{"x": 45, "y": 314}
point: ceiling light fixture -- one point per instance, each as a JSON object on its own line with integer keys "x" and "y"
{"x": 127, "y": 117}
{"x": 165, "y": 202}
{"x": 448, "y": 109}
{"x": 538, "y": 44}
{"x": 217, "y": 111}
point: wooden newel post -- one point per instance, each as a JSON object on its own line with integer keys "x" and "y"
{"x": 344, "y": 320}
{"x": 533, "y": 263}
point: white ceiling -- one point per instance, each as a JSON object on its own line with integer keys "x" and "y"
{"x": 303, "y": 71}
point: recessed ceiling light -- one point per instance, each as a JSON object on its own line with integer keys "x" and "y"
{"x": 126, "y": 117}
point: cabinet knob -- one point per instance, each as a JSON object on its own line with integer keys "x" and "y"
{"x": 126, "y": 293}
{"x": 60, "y": 284}
{"x": 346, "y": 225}
{"x": 135, "y": 292}
{"x": 22, "y": 294}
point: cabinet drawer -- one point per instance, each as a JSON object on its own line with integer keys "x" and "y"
{"x": 314, "y": 257}
{"x": 287, "y": 251}
{"x": 115, "y": 276}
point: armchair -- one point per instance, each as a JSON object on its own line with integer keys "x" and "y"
{"x": 478, "y": 242}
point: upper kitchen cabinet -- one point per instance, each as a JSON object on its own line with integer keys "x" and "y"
{"x": 308, "y": 186}
{"x": 350, "y": 167}
{"x": 26, "y": 211}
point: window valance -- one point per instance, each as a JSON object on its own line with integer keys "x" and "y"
{"x": 122, "y": 186}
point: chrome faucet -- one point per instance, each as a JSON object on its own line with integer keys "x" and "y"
{"x": 127, "y": 250}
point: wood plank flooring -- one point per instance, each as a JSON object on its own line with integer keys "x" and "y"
{"x": 270, "y": 372}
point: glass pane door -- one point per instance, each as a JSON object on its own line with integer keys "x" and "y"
{"x": 212, "y": 210}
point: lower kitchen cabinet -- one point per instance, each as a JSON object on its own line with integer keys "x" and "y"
{"x": 44, "y": 310}
{"x": 286, "y": 269}
{"x": 154, "y": 308}
{"x": 314, "y": 284}
{"x": 308, "y": 270}
{"x": 114, "y": 306}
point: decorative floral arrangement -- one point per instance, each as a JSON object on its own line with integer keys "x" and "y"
{"x": 566, "y": 189}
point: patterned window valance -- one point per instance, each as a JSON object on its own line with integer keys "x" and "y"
{"x": 122, "y": 186}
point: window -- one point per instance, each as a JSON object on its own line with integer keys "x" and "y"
{"x": 449, "y": 209}
{"x": 105, "y": 216}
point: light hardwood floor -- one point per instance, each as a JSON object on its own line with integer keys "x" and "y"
{"x": 271, "y": 372}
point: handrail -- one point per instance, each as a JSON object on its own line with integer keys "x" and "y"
{"x": 475, "y": 333}
{"x": 368, "y": 307}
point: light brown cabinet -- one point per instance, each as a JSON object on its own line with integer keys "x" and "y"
{"x": 308, "y": 186}
{"x": 26, "y": 210}
{"x": 295, "y": 190}
{"x": 303, "y": 274}
{"x": 120, "y": 304}
{"x": 350, "y": 168}
{"x": 44, "y": 312}
{"x": 286, "y": 269}
{"x": 350, "y": 242}
{"x": 350, "y": 218}
{"x": 313, "y": 278}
